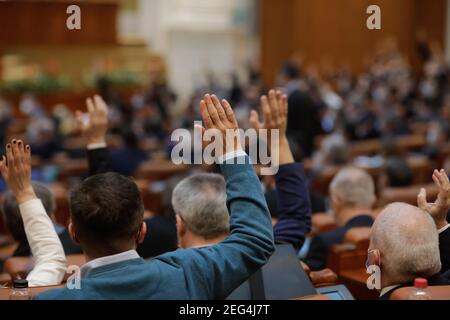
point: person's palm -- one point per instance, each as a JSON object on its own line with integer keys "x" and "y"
{"x": 438, "y": 209}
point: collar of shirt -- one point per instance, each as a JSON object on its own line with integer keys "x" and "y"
{"x": 387, "y": 289}
{"x": 103, "y": 261}
{"x": 444, "y": 228}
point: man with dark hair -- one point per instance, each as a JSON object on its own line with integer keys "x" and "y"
{"x": 97, "y": 211}
{"x": 14, "y": 222}
{"x": 161, "y": 234}
{"x": 107, "y": 215}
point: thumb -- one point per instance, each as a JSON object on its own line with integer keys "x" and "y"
{"x": 79, "y": 117}
{"x": 422, "y": 198}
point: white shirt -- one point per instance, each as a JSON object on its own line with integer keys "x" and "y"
{"x": 444, "y": 228}
{"x": 389, "y": 288}
{"x": 103, "y": 261}
{"x": 46, "y": 248}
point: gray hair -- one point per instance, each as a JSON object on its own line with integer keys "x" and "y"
{"x": 336, "y": 149}
{"x": 200, "y": 200}
{"x": 408, "y": 240}
{"x": 354, "y": 187}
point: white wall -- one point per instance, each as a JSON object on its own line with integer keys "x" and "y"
{"x": 195, "y": 35}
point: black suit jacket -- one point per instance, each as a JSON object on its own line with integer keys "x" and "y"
{"x": 444, "y": 248}
{"x": 303, "y": 121}
{"x": 317, "y": 255}
{"x": 436, "y": 280}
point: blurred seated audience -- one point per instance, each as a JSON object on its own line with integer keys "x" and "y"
{"x": 126, "y": 158}
{"x": 398, "y": 172}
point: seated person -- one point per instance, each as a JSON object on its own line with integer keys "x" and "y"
{"x": 398, "y": 172}
{"x": 127, "y": 158}
{"x": 14, "y": 222}
{"x": 107, "y": 222}
{"x": 48, "y": 253}
{"x": 161, "y": 234}
{"x": 199, "y": 201}
{"x": 404, "y": 244}
{"x": 352, "y": 195}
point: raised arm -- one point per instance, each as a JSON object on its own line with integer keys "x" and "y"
{"x": 50, "y": 260}
{"x": 94, "y": 125}
{"x": 294, "y": 205}
{"x": 216, "y": 271}
{"x": 439, "y": 210}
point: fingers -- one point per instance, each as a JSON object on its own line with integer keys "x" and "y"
{"x": 254, "y": 120}
{"x": 9, "y": 155}
{"x": 27, "y": 157}
{"x": 284, "y": 106}
{"x": 266, "y": 110}
{"x": 274, "y": 97}
{"x": 220, "y": 110}
{"x": 100, "y": 104}
{"x": 90, "y": 106}
{"x": 422, "y": 199}
{"x": 443, "y": 178}
{"x": 213, "y": 114}
{"x": 230, "y": 113}
{"x": 18, "y": 154}
{"x": 4, "y": 169}
{"x": 205, "y": 115}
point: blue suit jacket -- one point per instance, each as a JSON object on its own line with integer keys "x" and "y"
{"x": 206, "y": 273}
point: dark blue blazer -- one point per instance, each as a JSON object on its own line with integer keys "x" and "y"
{"x": 317, "y": 255}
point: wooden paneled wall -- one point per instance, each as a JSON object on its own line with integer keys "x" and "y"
{"x": 43, "y": 22}
{"x": 327, "y": 31}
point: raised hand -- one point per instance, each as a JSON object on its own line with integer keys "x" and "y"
{"x": 16, "y": 170}
{"x": 218, "y": 115}
{"x": 94, "y": 124}
{"x": 275, "y": 111}
{"x": 438, "y": 210}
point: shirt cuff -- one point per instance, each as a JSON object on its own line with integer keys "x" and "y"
{"x": 230, "y": 155}
{"x": 444, "y": 228}
{"x": 93, "y": 146}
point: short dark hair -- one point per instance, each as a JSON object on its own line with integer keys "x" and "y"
{"x": 290, "y": 71}
{"x": 11, "y": 212}
{"x": 107, "y": 212}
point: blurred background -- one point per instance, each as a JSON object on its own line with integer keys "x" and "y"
{"x": 377, "y": 99}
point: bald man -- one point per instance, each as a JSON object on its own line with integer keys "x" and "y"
{"x": 404, "y": 244}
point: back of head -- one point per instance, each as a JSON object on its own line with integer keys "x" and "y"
{"x": 408, "y": 241}
{"x": 200, "y": 200}
{"x": 354, "y": 187}
{"x": 336, "y": 149}
{"x": 107, "y": 212}
{"x": 11, "y": 211}
{"x": 398, "y": 172}
{"x": 290, "y": 71}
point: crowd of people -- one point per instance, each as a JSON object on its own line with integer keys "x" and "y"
{"x": 223, "y": 225}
